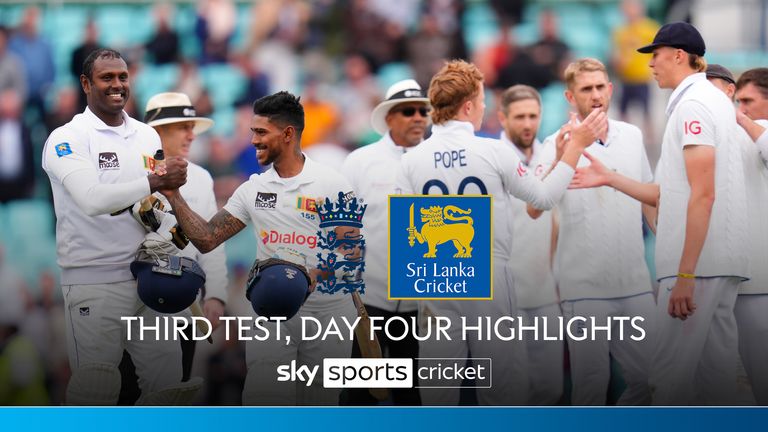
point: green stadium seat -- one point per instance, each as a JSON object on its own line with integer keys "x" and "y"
{"x": 480, "y": 25}
{"x": 556, "y": 108}
{"x": 225, "y": 83}
{"x": 391, "y": 73}
{"x": 153, "y": 79}
{"x": 124, "y": 25}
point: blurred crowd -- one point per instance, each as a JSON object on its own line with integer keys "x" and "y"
{"x": 338, "y": 55}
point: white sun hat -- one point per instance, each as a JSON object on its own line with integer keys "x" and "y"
{"x": 400, "y": 92}
{"x": 166, "y": 108}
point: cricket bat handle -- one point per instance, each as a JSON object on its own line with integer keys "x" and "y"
{"x": 368, "y": 348}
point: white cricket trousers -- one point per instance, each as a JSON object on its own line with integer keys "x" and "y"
{"x": 752, "y": 318}
{"x": 263, "y": 357}
{"x": 545, "y": 358}
{"x": 96, "y": 334}
{"x": 695, "y": 360}
{"x": 508, "y": 358}
{"x": 590, "y": 359}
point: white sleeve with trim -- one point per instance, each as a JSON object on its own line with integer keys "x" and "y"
{"x": 76, "y": 172}
{"x": 698, "y": 126}
{"x": 521, "y": 182}
{"x": 236, "y": 205}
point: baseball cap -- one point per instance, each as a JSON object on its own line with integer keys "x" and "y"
{"x": 677, "y": 35}
{"x": 719, "y": 71}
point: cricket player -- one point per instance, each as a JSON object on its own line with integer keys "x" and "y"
{"x": 402, "y": 119}
{"x": 282, "y": 204}
{"x": 600, "y": 258}
{"x": 752, "y": 116}
{"x": 702, "y": 226}
{"x": 456, "y": 94}
{"x": 531, "y": 256}
{"x": 99, "y": 165}
{"x": 175, "y": 120}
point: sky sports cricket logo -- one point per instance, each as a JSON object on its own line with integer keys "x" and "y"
{"x": 440, "y": 247}
{"x": 392, "y": 373}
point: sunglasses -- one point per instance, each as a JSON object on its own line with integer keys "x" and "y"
{"x": 411, "y": 111}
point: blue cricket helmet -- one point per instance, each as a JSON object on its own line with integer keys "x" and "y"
{"x": 167, "y": 283}
{"x": 277, "y": 288}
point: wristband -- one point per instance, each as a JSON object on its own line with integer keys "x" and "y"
{"x": 686, "y": 276}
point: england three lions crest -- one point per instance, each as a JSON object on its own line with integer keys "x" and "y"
{"x": 440, "y": 247}
{"x": 342, "y": 257}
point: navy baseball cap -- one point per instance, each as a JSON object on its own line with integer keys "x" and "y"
{"x": 677, "y": 35}
{"x": 719, "y": 71}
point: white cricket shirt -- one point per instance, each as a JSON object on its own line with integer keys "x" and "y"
{"x": 284, "y": 214}
{"x": 700, "y": 114}
{"x": 756, "y": 179}
{"x": 531, "y": 250}
{"x": 600, "y": 249}
{"x": 481, "y": 166}
{"x": 371, "y": 170}
{"x": 98, "y": 249}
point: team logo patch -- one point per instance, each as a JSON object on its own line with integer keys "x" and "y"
{"x": 108, "y": 161}
{"x": 692, "y": 127}
{"x": 440, "y": 247}
{"x": 522, "y": 170}
{"x": 342, "y": 250}
{"x": 288, "y": 238}
{"x": 149, "y": 162}
{"x": 266, "y": 200}
{"x": 85, "y": 311}
{"x": 63, "y": 149}
{"x": 306, "y": 204}
{"x": 290, "y": 273}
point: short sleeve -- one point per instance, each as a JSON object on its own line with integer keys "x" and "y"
{"x": 238, "y": 203}
{"x": 696, "y": 124}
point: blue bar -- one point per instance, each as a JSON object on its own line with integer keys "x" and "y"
{"x": 389, "y": 419}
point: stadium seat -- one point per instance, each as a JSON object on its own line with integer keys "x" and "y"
{"x": 225, "y": 83}
{"x": 556, "y": 108}
{"x": 391, "y": 73}
{"x": 153, "y": 79}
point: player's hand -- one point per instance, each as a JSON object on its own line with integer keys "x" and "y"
{"x": 561, "y": 140}
{"x": 174, "y": 177}
{"x": 593, "y": 175}
{"x": 593, "y": 127}
{"x": 741, "y": 118}
{"x": 681, "y": 303}
{"x": 213, "y": 309}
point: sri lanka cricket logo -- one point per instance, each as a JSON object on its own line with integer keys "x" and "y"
{"x": 440, "y": 247}
{"x": 436, "y": 232}
{"x": 342, "y": 246}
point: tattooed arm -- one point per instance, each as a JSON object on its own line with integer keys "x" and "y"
{"x": 206, "y": 236}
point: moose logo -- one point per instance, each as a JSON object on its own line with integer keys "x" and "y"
{"x": 108, "y": 161}
{"x": 266, "y": 200}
